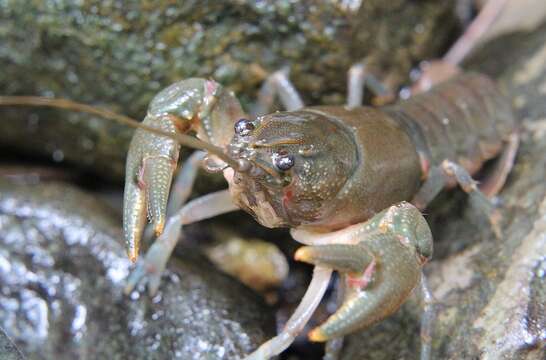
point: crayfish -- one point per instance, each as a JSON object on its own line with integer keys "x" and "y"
{"x": 342, "y": 178}
{"x": 349, "y": 181}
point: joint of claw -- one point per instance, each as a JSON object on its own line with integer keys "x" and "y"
{"x": 361, "y": 281}
{"x": 181, "y": 124}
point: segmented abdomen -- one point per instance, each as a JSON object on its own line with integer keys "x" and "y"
{"x": 465, "y": 120}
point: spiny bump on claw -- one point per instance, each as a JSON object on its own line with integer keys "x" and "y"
{"x": 316, "y": 335}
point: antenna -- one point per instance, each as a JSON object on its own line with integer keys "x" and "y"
{"x": 183, "y": 139}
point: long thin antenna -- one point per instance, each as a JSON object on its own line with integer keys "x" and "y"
{"x": 183, "y": 139}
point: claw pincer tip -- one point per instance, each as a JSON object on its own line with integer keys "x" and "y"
{"x": 132, "y": 253}
{"x": 159, "y": 226}
{"x": 302, "y": 254}
{"x": 316, "y": 335}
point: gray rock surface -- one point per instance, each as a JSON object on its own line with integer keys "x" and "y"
{"x": 62, "y": 271}
{"x": 8, "y": 350}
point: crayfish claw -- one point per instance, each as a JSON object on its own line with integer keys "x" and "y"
{"x": 393, "y": 247}
{"x": 151, "y": 162}
{"x": 192, "y": 105}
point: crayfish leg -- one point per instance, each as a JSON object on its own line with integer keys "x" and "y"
{"x": 478, "y": 198}
{"x": 151, "y": 266}
{"x": 278, "y": 84}
{"x": 437, "y": 71}
{"x": 448, "y": 173}
{"x": 427, "y": 319}
{"x": 494, "y": 182}
{"x": 298, "y": 320}
{"x": 183, "y": 184}
{"x": 360, "y": 78}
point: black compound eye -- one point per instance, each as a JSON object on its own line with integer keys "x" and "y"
{"x": 283, "y": 161}
{"x": 243, "y": 127}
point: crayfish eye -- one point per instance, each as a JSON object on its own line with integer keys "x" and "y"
{"x": 283, "y": 161}
{"x": 243, "y": 127}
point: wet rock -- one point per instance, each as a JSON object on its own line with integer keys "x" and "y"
{"x": 119, "y": 54}
{"x": 490, "y": 292}
{"x": 62, "y": 271}
{"x": 8, "y": 350}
